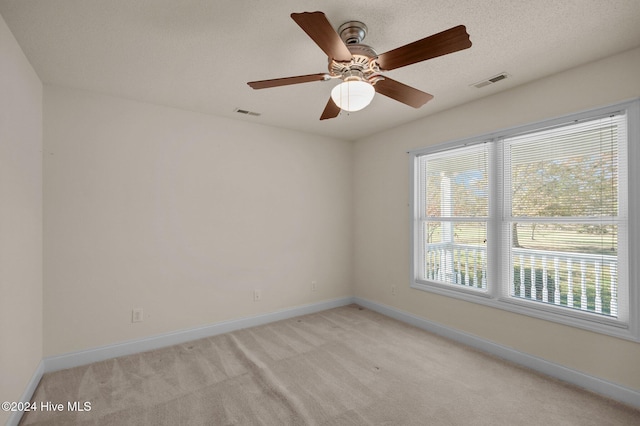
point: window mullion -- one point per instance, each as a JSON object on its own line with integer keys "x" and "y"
{"x": 495, "y": 245}
{"x": 565, "y": 219}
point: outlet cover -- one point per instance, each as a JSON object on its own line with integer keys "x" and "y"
{"x": 137, "y": 315}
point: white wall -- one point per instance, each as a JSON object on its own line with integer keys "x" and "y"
{"x": 184, "y": 215}
{"x": 20, "y": 220}
{"x": 381, "y": 191}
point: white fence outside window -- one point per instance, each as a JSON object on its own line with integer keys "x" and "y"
{"x": 575, "y": 280}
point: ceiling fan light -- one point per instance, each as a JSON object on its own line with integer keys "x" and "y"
{"x": 353, "y": 95}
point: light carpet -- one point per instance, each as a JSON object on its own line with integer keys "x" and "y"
{"x": 344, "y": 366}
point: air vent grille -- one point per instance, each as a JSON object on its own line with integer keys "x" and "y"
{"x": 491, "y": 80}
{"x": 245, "y": 112}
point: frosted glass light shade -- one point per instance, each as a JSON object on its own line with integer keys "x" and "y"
{"x": 353, "y": 95}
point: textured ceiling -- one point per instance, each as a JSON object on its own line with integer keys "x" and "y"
{"x": 199, "y": 54}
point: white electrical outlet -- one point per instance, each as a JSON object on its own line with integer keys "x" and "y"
{"x": 257, "y": 295}
{"x": 394, "y": 290}
{"x": 137, "y": 315}
{"x": 314, "y": 285}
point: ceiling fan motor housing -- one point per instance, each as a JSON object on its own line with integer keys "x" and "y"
{"x": 362, "y": 64}
{"x": 352, "y": 32}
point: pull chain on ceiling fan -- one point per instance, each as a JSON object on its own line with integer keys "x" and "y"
{"x": 360, "y": 67}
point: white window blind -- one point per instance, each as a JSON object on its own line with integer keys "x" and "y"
{"x": 564, "y": 191}
{"x": 454, "y": 211}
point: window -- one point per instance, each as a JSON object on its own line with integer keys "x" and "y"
{"x": 538, "y": 220}
{"x": 454, "y": 214}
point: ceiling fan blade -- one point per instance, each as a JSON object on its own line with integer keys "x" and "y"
{"x": 402, "y": 93}
{"x": 316, "y": 25}
{"x": 330, "y": 111}
{"x": 265, "y": 84}
{"x": 448, "y": 41}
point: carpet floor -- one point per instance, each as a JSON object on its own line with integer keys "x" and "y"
{"x": 344, "y": 366}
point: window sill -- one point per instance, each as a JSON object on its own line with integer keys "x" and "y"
{"x": 573, "y": 318}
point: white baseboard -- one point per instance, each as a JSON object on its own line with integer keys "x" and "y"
{"x": 585, "y": 381}
{"x": 75, "y": 359}
{"x": 15, "y": 417}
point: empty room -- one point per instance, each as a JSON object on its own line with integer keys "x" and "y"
{"x": 319, "y": 213}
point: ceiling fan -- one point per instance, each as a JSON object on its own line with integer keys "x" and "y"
{"x": 359, "y": 66}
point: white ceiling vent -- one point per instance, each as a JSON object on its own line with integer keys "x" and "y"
{"x": 491, "y": 80}
{"x": 245, "y": 112}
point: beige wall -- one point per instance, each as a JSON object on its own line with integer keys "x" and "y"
{"x": 20, "y": 220}
{"x": 183, "y": 215}
{"x": 381, "y": 191}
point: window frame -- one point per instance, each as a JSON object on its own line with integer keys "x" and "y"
{"x": 496, "y": 294}
{"x": 422, "y": 204}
